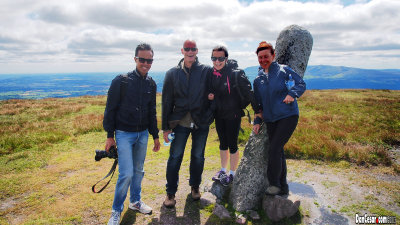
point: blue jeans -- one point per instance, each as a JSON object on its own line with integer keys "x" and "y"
{"x": 199, "y": 139}
{"x": 132, "y": 148}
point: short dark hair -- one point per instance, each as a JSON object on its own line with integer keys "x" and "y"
{"x": 143, "y": 47}
{"x": 220, "y": 48}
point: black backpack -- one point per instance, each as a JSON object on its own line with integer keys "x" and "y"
{"x": 241, "y": 85}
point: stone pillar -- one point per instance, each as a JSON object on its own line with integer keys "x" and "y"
{"x": 293, "y": 48}
{"x": 251, "y": 176}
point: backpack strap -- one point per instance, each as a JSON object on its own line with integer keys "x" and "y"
{"x": 124, "y": 84}
{"x": 237, "y": 86}
{"x": 241, "y": 95}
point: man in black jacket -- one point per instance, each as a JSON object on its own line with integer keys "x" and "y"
{"x": 185, "y": 111}
{"x": 130, "y": 114}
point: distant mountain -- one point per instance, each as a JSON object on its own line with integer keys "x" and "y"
{"x": 34, "y": 86}
{"x": 340, "y": 77}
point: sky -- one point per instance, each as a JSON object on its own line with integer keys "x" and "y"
{"x": 49, "y": 36}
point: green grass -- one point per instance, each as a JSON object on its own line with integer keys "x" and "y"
{"x": 47, "y": 150}
{"x": 352, "y": 125}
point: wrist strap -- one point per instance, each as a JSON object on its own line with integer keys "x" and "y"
{"x": 111, "y": 172}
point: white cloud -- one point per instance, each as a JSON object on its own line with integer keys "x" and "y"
{"x": 79, "y": 36}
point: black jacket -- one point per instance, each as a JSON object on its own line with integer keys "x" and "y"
{"x": 181, "y": 95}
{"x": 136, "y": 111}
{"x": 224, "y": 85}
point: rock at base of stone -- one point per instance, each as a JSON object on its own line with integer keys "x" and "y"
{"x": 218, "y": 190}
{"x": 207, "y": 199}
{"x": 221, "y": 212}
{"x": 277, "y": 207}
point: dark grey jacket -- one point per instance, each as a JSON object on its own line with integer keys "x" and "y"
{"x": 183, "y": 93}
{"x": 136, "y": 111}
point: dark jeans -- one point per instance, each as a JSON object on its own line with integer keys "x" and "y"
{"x": 279, "y": 133}
{"x": 199, "y": 139}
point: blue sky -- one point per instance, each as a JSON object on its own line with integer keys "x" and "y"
{"x": 46, "y": 36}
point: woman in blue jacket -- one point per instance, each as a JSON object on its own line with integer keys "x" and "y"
{"x": 280, "y": 112}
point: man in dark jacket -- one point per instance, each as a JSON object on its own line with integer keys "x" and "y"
{"x": 130, "y": 114}
{"x": 185, "y": 110}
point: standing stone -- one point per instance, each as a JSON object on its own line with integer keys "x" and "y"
{"x": 293, "y": 48}
{"x": 251, "y": 176}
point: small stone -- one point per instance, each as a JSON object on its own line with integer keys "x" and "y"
{"x": 221, "y": 212}
{"x": 253, "y": 214}
{"x": 240, "y": 218}
{"x": 207, "y": 199}
{"x": 219, "y": 190}
{"x": 278, "y": 208}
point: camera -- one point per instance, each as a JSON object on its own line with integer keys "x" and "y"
{"x": 112, "y": 154}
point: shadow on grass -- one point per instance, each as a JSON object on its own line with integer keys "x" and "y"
{"x": 191, "y": 214}
{"x": 129, "y": 217}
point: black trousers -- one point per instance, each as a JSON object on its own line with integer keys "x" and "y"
{"x": 228, "y": 132}
{"x": 279, "y": 133}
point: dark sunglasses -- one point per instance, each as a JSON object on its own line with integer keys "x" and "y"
{"x": 190, "y": 49}
{"x": 221, "y": 59}
{"x": 143, "y": 60}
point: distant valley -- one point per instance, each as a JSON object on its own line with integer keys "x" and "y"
{"x": 35, "y": 86}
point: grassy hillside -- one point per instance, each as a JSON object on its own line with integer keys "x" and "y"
{"x": 47, "y": 150}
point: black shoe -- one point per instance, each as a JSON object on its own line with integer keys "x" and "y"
{"x": 284, "y": 190}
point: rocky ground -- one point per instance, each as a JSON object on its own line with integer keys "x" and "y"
{"x": 330, "y": 193}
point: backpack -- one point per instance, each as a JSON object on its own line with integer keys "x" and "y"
{"x": 242, "y": 85}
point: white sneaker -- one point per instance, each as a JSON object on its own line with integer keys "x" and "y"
{"x": 115, "y": 218}
{"x": 141, "y": 207}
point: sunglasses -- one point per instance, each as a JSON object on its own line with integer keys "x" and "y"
{"x": 143, "y": 60}
{"x": 190, "y": 49}
{"x": 221, "y": 59}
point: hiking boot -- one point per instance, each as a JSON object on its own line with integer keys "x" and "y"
{"x": 115, "y": 218}
{"x": 218, "y": 175}
{"x": 226, "y": 179}
{"x": 284, "y": 191}
{"x": 195, "y": 193}
{"x": 141, "y": 207}
{"x": 169, "y": 201}
{"x": 273, "y": 190}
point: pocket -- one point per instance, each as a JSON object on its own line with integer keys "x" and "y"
{"x": 146, "y": 95}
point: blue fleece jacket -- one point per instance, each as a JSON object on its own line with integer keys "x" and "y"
{"x": 270, "y": 90}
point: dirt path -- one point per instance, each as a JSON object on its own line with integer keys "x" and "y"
{"x": 329, "y": 194}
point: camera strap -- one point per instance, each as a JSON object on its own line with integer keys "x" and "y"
{"x": 111, "y": 172}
